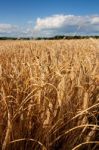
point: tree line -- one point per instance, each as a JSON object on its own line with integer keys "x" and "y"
{"x": 58, "y": 37}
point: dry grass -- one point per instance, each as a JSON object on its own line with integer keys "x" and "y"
{"x": 49, "y": 95}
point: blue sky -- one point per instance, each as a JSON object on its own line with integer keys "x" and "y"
{"x": 48, "y": 17}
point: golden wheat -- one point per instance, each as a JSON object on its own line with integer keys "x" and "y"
{"x": 49, "y": 95}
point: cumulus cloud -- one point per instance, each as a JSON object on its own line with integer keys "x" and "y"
{"x": 65, "y": 24}
{"x": 95, "y": 20}
{"x": 15, "y": 30}
{"x": 57, "y": 21}
{"x": 50, "y": 22}
{"x": 54, "y": 25}
{"x": 8, "y": 28}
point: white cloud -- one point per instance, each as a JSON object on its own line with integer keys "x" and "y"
{"x": 65, "y": 24}
{"x": 58, "y": 21}
{"x": 95, "y": 20}
{"x": 8, "y": 28}
{"x": 50, "y": 22}
{"x": 15, "y": 30}
{"x": 54, "y": 25}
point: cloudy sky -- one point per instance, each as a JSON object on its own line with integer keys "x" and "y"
{"x": 49, "y": 17}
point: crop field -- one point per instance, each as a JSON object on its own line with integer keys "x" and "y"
{"x": 49, "y": 95}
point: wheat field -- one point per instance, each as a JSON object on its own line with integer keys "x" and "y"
{"x": 49, "y": 95}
